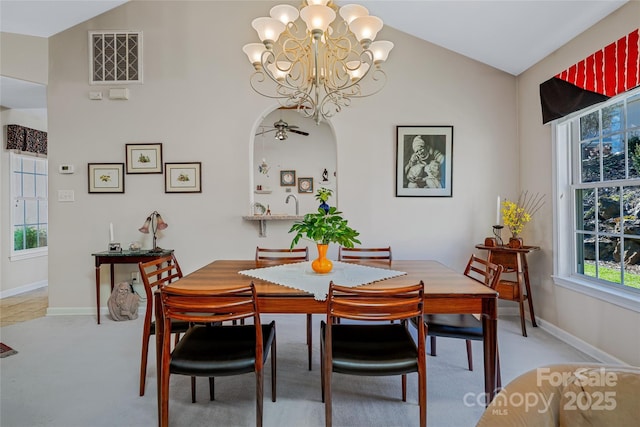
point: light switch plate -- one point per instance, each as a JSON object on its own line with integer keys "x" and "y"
{"x": 66, "y": 196}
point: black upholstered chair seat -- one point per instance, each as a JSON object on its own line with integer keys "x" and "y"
{"x": 464, "y": 326}
{"x": 373, "y": 351}
{"x": 212, "y": 351}
{"x": 177, "y": 326}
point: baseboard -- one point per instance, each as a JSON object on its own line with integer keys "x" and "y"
{"x": 579, "y": 344}
{"x": 82, "y": 311}
{"x": 24, "y": 288}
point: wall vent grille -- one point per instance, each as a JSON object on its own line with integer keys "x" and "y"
{"x": 116, "y": 56}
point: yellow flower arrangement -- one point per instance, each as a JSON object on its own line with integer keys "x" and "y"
{"x": 516, "y": 214}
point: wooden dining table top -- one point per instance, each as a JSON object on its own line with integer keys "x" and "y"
{"x": 441, "y": 284}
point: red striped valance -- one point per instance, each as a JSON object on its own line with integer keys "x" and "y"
{"x": 610, "y": 71}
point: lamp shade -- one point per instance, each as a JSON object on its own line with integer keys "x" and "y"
{"x": 380, "y": 50}
{"x": 366, "y": 27}
{"x": 349, "y": 12}
{"x": 254, "y": 52}
{"x": 284, "y": 13}
{"x": 280, "y": 71}
{"x": 160, "y": 224}
{"x": 317, "y": 17}
{"x": 145, "y": 227}
{"x": 268, "y": 29}
{"x": 320, "y": 2}
{"x": 357, "y": 69}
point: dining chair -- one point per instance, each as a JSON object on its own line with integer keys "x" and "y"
{"x": 373, "y": 346}
{"x": 285, "y": 256}
{"x": 465, "y": 326}
{"x": 212, "y": 349}
{"x": 155, "y": 274}
{"x": 346, "y": 254}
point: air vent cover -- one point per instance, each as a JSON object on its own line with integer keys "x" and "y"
{"x": 116, "y": 57}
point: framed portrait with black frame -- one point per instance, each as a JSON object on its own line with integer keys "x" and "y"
{"x": 424, "y": 161}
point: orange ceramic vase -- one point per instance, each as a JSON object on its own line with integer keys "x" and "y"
{"x": 322, "y": 264}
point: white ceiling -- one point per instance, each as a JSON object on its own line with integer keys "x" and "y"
{"x": 511, "y": 35}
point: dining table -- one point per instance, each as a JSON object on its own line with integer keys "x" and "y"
{"x": 445, "y": 291}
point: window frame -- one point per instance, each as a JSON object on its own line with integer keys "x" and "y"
{"x": 566, "y": 160}
{"x": 17, "y": 255}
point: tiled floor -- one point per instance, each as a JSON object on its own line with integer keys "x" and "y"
{"x": 23, "y": 307}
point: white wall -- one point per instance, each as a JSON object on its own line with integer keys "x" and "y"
{"x": 197, "y": 101}
{"x": 597, "y": 323}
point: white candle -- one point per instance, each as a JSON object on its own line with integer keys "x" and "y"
{"x": 111, "y": 231}
{"x": 498, "y": 212}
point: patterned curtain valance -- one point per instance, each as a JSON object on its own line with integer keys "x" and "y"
{"x": 610, "y": 71}
{"x": 26, "y": 139}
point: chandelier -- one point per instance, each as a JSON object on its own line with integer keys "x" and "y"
{"x": 315, "y": 62}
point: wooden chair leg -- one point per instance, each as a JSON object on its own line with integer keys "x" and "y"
{"x": 327, "y": 396}
{"x": 273, "y": 370}
{"x": 193, "y": 389}
{"x": 259, "y": 396}
{"x": 143, "y": 363}
{"x": 433, "y": 345}
{"x": 404, "y": 387}
{"x": 522, "y": 319}
{"x": 469, "y": 355}
{"x": 309, "y": 337}
{"x": 212, "y": 388}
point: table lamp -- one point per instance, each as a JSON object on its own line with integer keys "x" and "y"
{"x": 155, "y": 221}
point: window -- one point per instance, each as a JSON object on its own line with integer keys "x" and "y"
{"x": 29, "y": 207}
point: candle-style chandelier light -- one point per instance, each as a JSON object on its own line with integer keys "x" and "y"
{"x": 318, "y": 63}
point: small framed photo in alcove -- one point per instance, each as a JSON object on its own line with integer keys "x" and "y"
{"x": 424, "y": 161}
{"x": 288, "y": 178}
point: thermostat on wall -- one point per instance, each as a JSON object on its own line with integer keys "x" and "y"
{"x": 66, "y": 169}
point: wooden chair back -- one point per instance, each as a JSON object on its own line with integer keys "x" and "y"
{"x": 346, "y": 254}
{"x": 283, "y": 255}
{"x": 483, "y": 271}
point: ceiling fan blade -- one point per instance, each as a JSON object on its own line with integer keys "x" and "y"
{"x": 266, "y": 131}
{"x": 293, "y": 127}
{"x": 299, "y": 132}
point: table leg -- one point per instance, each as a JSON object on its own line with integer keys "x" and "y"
{"x": 98, "y": 292}
{"x": 529, "y": 295}
{"x": 490, "y": 334}
{"x": 159, "y": 345}
{"x": 113, "y": 277}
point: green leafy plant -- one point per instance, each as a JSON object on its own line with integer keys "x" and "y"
{"x": 323, "y": 194}
{"x": 325, "y": 227}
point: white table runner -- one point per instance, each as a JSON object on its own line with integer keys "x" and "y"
{"x": 300, "y": 276}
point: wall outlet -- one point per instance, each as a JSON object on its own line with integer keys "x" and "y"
{"x": 135, "y": 278}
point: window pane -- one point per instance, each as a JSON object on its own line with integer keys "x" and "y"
{"x": 633, "y": 112}
{"x": 586, "y": 255}
{"x": 608, "y": 209}
{"x": 43, "y": 212}
{"x": 631, "y": 206}
{"x": 41, "y": 186}
{"x": 585, "y": 209}
{"x": 42, "y": 236}
{"x": 28, "y": 165}
{"x": 29, "y": 185}
{"x": 613, "y": 159}
{"x": 17, "y": 184}
{"x": 18, "y": 238}
{"x": 590, "y": 161}
{"x": 589, "y": 126}
{"x": 633, "y": 142}
{"x": 18, "y": 212}
{"x": 632, "y": 263}
{"x": 41, "y": 167}
{"x": 608, "y": 268}
{"x": 612, "y": 118}
{"x": 31, "y": 212}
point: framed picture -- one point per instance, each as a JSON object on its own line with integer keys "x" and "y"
{"x": 106, "y": 177}
{"x": 287, "y": 178}
{"x": 305, "y": 185}
{"x": 182, "y": 177}
{"x": 424, "y": 161}
{"x": 144, "y": 158}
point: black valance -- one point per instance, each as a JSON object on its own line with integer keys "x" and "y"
{"x": 26, "y": 139}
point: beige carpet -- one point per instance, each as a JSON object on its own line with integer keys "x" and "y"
{"x": 71, "y": 372}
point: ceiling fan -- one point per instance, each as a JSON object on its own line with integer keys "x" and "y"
{"x": 281, "y": 128}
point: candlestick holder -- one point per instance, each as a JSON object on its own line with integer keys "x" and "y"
{"x": 497, "y": 231}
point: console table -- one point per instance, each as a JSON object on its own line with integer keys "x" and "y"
{"x": 514, "y": 260}
{"x": 122, "y": 257}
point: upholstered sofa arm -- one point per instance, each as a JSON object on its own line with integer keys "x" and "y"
{"x": 568, "y": 395}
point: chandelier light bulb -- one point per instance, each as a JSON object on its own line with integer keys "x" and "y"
{"x": 284, "y": 13}
{"x": 317, "y": 2}
{"x": 349, "y": 12}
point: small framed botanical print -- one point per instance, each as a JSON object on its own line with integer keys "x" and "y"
{"x": 106, "y": 177}
{"x": 183, "y": 177}
{"x": 305, "y": 185}
{"x": 144, "y": 158}
{"x": 288, "y": 178}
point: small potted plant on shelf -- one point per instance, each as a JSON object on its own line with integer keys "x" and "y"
{"x": 322, "y": 195}
{"x": 324, "y": 227}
